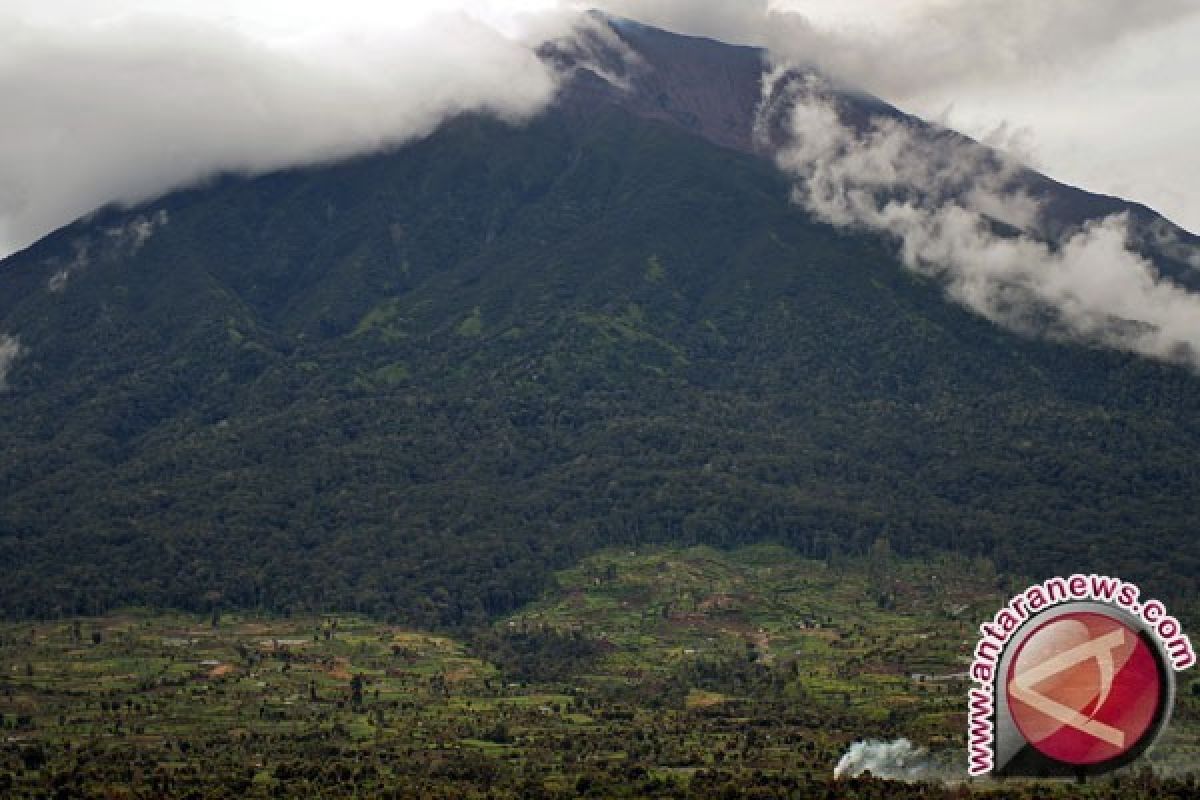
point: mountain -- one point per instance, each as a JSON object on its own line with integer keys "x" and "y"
{"x": 714, "y": 90}
{"x": 416, "y": 383}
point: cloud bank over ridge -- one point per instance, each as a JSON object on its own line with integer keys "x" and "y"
{"x": 126, "y": 102}
{"x": 131, "y": 98}
{"x": 127, "y": 106}
{"x": 958, "y": 214}
{"x": 1102, "y": 92}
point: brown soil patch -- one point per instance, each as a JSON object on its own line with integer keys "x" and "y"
{"x": 699, "y": 699}
{"x": 340, "y": 669}
{"x": 718, "y": 602}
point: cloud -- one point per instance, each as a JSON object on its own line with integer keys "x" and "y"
{"x": 127, "y": 99}
{"x": 738, "y": 22}
{"x": 1102, "y": 91}
{"x": 957, "y": 215}
{"x": 943, "y": 44}
{"x": 116, "y": 242}
{"x": 927, "y": 45}
{"x": 125, "y": 106}
{"x": 10, "y": 350}
{"x": 1167, "y": 242}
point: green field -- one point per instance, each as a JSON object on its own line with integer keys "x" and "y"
{"x": 666, "y": 673}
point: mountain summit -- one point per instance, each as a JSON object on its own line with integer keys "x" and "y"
{"x": 418, "y": 382}
{"x": 716, "y": 91}
{"x": 706, "y": 87}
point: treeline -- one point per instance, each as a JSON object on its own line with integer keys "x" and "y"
{"x": 30, "y": 772}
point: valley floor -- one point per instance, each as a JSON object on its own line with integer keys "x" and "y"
{"x": 663, "y": 673}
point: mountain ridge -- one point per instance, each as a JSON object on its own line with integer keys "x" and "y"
{"x": 675, "y": 78}
{"x": 713, "y": 89}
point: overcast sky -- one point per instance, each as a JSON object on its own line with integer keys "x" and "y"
{"x": 124, "y": 99}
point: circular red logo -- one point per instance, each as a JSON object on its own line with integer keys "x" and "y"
{"x": 1084, "y": 688}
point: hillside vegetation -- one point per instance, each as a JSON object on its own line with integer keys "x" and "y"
{"x": 416, "y": 384}
{"x": 657, "y": 673}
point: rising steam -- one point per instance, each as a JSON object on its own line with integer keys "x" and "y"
{"x": 10, "y": 350}
{"x": 899, "y": 760}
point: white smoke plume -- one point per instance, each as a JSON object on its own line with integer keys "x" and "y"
{"x": 899, "y": 760}
{"x": 955, "y": 215}
{"x": 10, "y": 350}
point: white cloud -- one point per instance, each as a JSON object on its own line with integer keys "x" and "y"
{"x": 124, "y": 106}
{"x": 958, "y": 44}
{"x": 126, "y": 99}
{"x": 940, "y": 199}
{"x": 1103, "y": 90}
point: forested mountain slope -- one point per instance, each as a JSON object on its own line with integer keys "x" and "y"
{"x": 415, "y": 384}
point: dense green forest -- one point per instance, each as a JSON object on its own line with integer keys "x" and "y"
{"x": 415, "y": 384}
{"x": 553, "y": 460}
